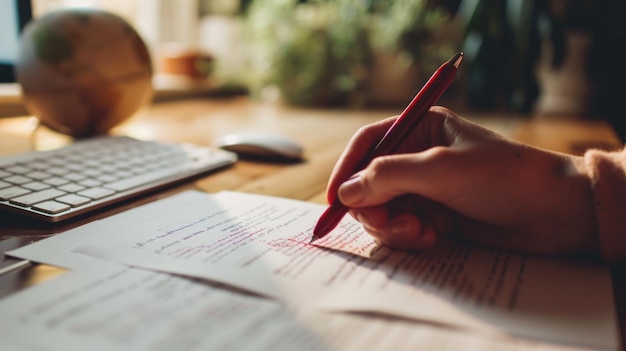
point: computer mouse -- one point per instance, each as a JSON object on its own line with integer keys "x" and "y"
{"x": 261, "y": 145}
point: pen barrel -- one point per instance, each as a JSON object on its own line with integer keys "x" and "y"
{"x": 415, "y": 111}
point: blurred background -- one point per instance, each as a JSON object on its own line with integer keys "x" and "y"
{"x": 550, "y": 59}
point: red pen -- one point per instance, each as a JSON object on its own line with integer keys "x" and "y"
{"x": 408, "y": 120}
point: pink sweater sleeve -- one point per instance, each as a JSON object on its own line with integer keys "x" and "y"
{"x": 608, "y": 179}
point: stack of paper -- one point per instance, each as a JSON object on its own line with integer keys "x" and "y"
{"x": 260, "y": 285}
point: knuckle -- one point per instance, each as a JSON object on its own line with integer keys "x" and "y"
{"x": 373, "y": 131}
{"x": 366, "y": 132}
{"x": 380, "y": 169}
{"x": 442, "y": 111}
{"x": 440, "y": 153}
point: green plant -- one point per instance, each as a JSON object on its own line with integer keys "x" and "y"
{"x": 318, "y": 52}
{"x": 502, "y": 45}
{"x": 409, "y": 27}
{"x": 311, "y": 51}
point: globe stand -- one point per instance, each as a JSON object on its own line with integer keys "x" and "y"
{"x": 35, "y": 126}
{"x": 55, "y": 139}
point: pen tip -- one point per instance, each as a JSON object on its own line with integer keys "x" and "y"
{"x": 456, "y": 59}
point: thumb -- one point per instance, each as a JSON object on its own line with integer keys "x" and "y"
{"x": 428, "y": 173}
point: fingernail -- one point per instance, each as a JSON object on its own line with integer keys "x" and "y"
{"x": 400, "y": 227}
{"x": 351, "y": 191}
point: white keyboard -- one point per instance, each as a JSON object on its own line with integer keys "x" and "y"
{"x": 89, "y": 174}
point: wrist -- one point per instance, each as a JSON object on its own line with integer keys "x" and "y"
{"x": 608, "y": 183}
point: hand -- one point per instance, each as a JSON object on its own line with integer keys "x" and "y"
{"x": 454, "y": 178}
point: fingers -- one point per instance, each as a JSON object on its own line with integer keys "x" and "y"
{"x": 406, "y": 223}
{"x": 402, "y": 232}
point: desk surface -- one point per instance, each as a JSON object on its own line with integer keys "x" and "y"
{"x": 323, "y": 133}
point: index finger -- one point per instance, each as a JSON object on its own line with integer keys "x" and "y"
{"x": 359, "y": 147}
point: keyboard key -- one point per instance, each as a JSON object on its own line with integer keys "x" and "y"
{"x": 73, "y": 200}
{"x": 71, "y": 187}
{"x": 96, "y": 193}
{"x": 56, "y": 181}
{"x": 91, "y": 172}
{"x": 36, "y": 197}
{"x": 123, "y": 174}
{"x": 90, "y": 183}
{"x": 107, "y": 178}
{"x": 107, "y": 168}
{"x": 74, "y": 177}
{"x": 58, "y": 171}
{"x": 36, "y": 186}
{"x": 18, "y": 169}
{"x": 14, "y": 191}
{"x": 38, "y": 165}
{"x": 52, "y": 207}
{"x": 75, "y": 167}
{"x": 140, "y": 180}
{"x": 39, "y": 175}
{"x": 17, "y": 179}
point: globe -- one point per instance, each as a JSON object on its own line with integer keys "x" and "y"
{"x": 83, "y": 71}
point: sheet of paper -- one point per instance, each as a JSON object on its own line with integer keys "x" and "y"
{"x": 111, "y": 307}
{"x": 57, "y": 250}
{"x": 7, "y": 345}
{"x": 261, "y": 244}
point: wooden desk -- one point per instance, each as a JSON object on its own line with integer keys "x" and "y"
{"x": 323, "y": 133}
